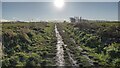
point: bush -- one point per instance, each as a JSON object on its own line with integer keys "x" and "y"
{"x": 113, "y": 50}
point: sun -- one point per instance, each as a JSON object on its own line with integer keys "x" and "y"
{"x": 59, "y": 3}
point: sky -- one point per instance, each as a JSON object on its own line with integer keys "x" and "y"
{"x": 47, "y": 11}
{"x": 119, "y": 11}
{"x": 0, "y": 10}
{"x": 65, "y": 0}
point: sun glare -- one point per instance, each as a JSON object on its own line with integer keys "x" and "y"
{"x": 59, "y": 3}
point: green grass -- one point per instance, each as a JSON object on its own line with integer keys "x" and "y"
{"x": 33, "y": 42}
{"x": 95, "y": 38}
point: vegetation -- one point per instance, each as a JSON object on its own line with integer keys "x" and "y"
{"x": 99, "y": 41}
{"x": 29, "y": 44}
{"x": 34, "y": 44}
